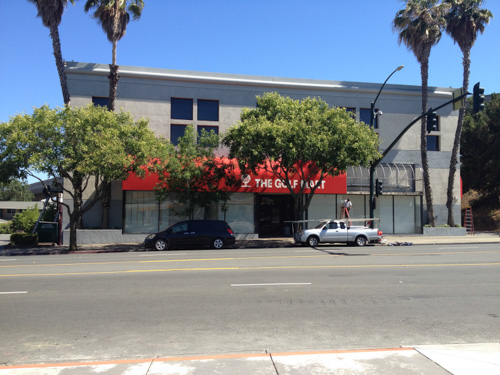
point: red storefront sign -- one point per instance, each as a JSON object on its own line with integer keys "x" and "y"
{"x": 264, "y": 182}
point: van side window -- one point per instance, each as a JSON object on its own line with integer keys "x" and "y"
{"x": 181, "y": 227}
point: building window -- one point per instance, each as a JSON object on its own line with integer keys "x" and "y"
{"x": 208, "y": 129}
{"x": 176, "y": 132}
{"x": 364, "y": 115}
{"x": 351, "y": 111}
{"x": 181, "y": 109}
{"x": 433, "y": 143}
{"x": 99, "y": 101}
{"x": 208, "y": 110}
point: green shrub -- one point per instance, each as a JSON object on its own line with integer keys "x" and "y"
{"x": 50, "y": 212}
{"x": 23, "y": 239}
{"x": 5, "y": 228}
{"x": 25, "y": 221}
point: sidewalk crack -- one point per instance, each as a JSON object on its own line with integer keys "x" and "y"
{"x": 272, "y": 361}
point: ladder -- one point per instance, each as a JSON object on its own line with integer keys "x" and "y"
{"x": 469, "y": 221}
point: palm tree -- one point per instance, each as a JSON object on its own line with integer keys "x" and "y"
{"x": 464, "y": 21}
{"x": 51, "y": 13}
{"x": 114, "y": 16}
{"x": 419, "y": 27}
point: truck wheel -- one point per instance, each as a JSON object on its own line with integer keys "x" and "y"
{"x": 360, "y": 241}
{"x": 313, "y": 241}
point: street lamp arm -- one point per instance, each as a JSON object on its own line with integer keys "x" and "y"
{"x": 382, "y": 87}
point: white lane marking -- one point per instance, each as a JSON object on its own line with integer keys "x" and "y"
{"x": 13, "y": 292}
{"x": 271, "y": 284}
{"x": 458, "y": 247}
{"x": 159, "y": 255}
{"x": 7, "y": 260}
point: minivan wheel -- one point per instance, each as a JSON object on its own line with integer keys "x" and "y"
{"x": 360, "y": 241}
{"x": 313, "y": 241}
{"x": 218, "y": 243}
{"x": 161, "y": 244}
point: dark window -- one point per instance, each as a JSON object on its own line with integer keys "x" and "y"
{"x": 100, "y": 101}
{"x": 364, "y": 115}
{"x": 351, "y": 110}
{"x": 432, "y": 143}
{"x": 208, "y": 110}
{"x": 181, "y": 109}
{"x": 176, "y": 131}
{"x": 333, "y": 225}
{"x": 180, "y": 227}
{"x": 208, "y": 129}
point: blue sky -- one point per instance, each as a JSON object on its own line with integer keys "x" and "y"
{"x": 316, "y": 39}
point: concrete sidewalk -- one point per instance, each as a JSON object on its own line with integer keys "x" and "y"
{"x": 463, "y": 359}
{"x": 388, "y": 240}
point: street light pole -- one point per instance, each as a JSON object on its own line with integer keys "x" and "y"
{"x": 372, "y": 165}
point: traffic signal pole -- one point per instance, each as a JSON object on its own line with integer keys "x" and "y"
{"x": 374, "y": 165}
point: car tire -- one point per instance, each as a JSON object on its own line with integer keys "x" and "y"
{"x": 218, "y": 243}
{"x": 313, "y": 241}
{"x": 360, "y": 241}
{"x": 161, "y": 245}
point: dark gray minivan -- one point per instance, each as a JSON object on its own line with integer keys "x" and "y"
{"x": 192, "y": 233}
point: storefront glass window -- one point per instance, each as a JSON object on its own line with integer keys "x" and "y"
{"x": 322, "y": 207}
{"x": 404, "y": 214}
{"x": 141, "y": 212}
{"x": 240, "y": 214}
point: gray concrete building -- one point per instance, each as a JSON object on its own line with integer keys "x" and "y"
{"x": 173, "y": 99}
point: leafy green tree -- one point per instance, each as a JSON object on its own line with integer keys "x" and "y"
{"x": 480, "y": 155}
{"x": 51, "y": 13}
{"x": 419, "y": 27}
{"x": 193, "y": 175}
{"x": 464, "y": 21}
{"x": 287, "y": 137}
{"x": 84, "y": 146}
{"x": 15, "y": 190}
{"x": 114, "y": 16}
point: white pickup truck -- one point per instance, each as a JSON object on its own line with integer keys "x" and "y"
{"x": 338, "y": 231}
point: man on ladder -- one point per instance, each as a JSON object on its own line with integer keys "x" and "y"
{"x": 346, "y": 207}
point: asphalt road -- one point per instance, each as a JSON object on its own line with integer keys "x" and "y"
{"x": 145, "y": 304}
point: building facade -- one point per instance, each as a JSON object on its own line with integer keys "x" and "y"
{"x": 173, "y": 99}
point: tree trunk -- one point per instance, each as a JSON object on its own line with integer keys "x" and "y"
{"x": 75, "y": 216}
{"x": 456, "y": 143}
{"x": 113, "y": 85}
{"x": 72, "y": 232}
{"x": 56, "y": 45}
{"x": 424, "y": 71}
{"x": 106, "y": 203}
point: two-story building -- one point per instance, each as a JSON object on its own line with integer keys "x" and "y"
{"x": 173, "y": 99}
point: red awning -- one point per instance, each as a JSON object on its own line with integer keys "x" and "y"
{"x": 263, "y": 182}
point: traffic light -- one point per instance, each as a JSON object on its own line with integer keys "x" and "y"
{"x": 378, "y": 187}
{"x": 478, "y": 98}
{"x": 432, "y": 122}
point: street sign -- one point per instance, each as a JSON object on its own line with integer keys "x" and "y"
{"x": 459, "y": 103}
